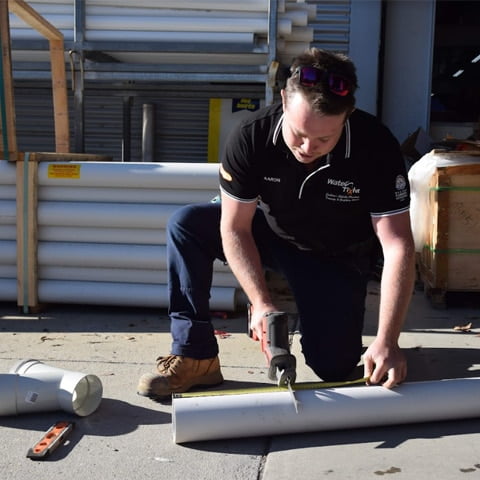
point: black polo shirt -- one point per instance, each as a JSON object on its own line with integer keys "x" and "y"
{"x": 327, "y": 209}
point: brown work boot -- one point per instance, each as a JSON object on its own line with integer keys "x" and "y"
{"x": 177, "y": 374}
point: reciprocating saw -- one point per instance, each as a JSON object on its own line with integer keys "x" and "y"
{"x": 276, "y": 347}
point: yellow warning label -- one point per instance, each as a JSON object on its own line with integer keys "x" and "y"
{"x": 64, "y": 170}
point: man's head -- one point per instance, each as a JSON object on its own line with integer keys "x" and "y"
{"x": 317, "y": 100}
{"x": 326, "y": 79}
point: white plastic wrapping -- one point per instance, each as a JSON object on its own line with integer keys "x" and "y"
{"x": 419, "y": 176}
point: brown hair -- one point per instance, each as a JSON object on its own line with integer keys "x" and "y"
{"x": 322, "y": 99}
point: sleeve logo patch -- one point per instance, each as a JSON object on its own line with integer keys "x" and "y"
{"x": 401, "y": 187}
{"x": 225, "y": 175}
{"x": 400, "y": 182}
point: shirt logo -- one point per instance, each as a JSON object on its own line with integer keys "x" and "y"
{"x": 401, "y": 188}
{"x": 400, "y": 182}
{"x": 346, "y": 191}
{"x": 225, "y": 175}
{"x": 272, "y": 179}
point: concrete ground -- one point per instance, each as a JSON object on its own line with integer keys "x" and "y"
{"x": 130, "y": 437}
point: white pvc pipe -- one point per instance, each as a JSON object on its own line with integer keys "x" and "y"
{"x": 7, "y": 192}
{"x": 122, "y": 275}
{"x": 36, "y": 387}
{"x": 8, "y": 289}
{"x": 99, "y": 255}
{"x": 122, "y": 294}
{"x": 300, "y": 34}
{"x": 8, "y": 173}
{"x": 55, "y": 233}
{"x": 8, "y": 212}
{"x": 159, "y": 36}
{"x": 311, "y": 9}
{"x": 149, "y": 257}
{"x": 125, "y": 195}
{"x": 8, "y": 232}
{"x": 119, "y": 12}
{"x": 30, "y": 34}
{"x": 182, "y": 23}
{"x": 102, "y": 233}
{"x": 249, "y": 5}
{"x": 258, "y": 414}
{"x": 135, "y": 175}
{"x": 91, "y": 214}
{"x": 8, "y": 252}
{"x": 189, "y": 59}
{"x": 299, "y": 18}
{"x": 8, "y": 271}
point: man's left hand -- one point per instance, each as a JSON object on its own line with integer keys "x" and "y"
{"x": 385, "y": 364}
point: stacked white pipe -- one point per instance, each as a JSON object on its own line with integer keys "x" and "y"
{"x": 222, "y": 21}
{"x": 101, "y": 237}
{"x": 8, "y": 233}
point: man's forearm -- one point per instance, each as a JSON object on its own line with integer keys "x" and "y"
{"x": 242, "y": 255}
{"x": 396, "y": 290}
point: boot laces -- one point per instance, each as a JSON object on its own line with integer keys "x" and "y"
{"x": 168, "y": 363}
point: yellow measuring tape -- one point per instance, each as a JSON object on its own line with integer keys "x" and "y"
{"x": 272, "y": 388}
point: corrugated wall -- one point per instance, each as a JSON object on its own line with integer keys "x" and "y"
{"x": 181, "y": 110}
{"x": 332, "y": 27}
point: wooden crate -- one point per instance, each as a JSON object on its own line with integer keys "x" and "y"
{"x": 450, "y": 260}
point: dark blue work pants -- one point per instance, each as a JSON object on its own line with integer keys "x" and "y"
{"x": 329, "y": 292}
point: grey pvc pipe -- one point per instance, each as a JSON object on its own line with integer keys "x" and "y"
{"x": 198, "y": 418}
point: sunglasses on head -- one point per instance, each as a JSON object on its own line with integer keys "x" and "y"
{"x": 313, "y": 76}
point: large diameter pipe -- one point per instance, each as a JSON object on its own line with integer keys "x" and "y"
{"x": 123, "y": 294}
{"x": 8, "y": 212}
{"x": 198, "y": 418}
{"x": 158, "y": 36}
{"x": 8, "y": 289}
{"x": 122, "y": 275}
{"x": 8, "y": 252}
{"x": 8, "y": 173}
{"x": 124, "y": 195}
{"x": 137, "y": 236}
{"x": 7, "y": 192}
{"x": 134, "y": 175}
{"x": 249, "y": 5}
{"x": 92, "y": 214}
{"x": 32, "y": 386}
{"x": 178, "y": 24}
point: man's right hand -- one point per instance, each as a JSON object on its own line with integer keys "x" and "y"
{"x": 256, "y": 318}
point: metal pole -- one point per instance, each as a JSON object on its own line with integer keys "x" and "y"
{"x": 126, "y": 134}
{"x": 272, "y": 48}
{"x": 78, "y": 76}
{"x": 148, "y": 133}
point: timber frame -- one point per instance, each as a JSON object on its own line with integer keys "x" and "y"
{"x": 8, "y": 147}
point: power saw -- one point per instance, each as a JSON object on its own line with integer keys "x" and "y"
{"x": 276, "y": 347}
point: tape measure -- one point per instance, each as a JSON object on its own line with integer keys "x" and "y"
{"x": 272, "y": 388}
